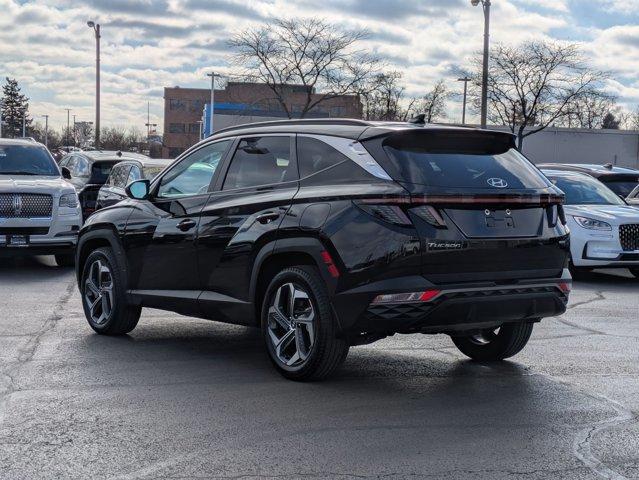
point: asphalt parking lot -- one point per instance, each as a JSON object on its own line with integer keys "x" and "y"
{"x": 185, "y": 398}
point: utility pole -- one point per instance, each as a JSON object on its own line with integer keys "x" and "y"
{"x": 212, "y": 75}
{"x": 1, "y": 106}
{"x": 46, "y": 130}
{"x": 465, "y": 80}
{"x": 24, "y": 125}
{"x": 96, "y": 30}
{"x": 484, "y": 86}
{"x": 148, "y": 123}
{"x": 68, "y": 121}
{"x": 75, "y": 140}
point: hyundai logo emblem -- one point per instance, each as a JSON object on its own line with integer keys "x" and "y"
{"x": 497, "y": 182}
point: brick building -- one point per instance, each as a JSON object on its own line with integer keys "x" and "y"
{"x": 236, "y": 104}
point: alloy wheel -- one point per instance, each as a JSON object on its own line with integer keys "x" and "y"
{"x": 98, "y": 292}
{"x": 291, "y": 324}
{"x": 485, "y": 336}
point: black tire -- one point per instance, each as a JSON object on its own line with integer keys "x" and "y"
{"x": 122, "y": 317}
{"x": 327, "y": 352}
{"x": 65, "y": 259}
{"x": 634, "y": 271}
{"x": 493, "y": 345}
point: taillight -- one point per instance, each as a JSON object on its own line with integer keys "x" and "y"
{"x": 412, "y": 297}
{"x": 430, "y": 215}
{"x": 387, "y": 212}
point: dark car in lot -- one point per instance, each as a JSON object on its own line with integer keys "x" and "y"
{"x": 89, "y": 170}
{"x": 125, "y": 172}
{"x": 621, "y": 180}
{"x": 332, "y": 233}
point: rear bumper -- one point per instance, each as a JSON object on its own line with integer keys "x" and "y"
{"x": 457, "y": 308}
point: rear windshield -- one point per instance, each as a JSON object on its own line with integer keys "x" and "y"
{"x": 26, "y": 160}
{"x": 584, "y": 190}
{"x": 461, "y": 161}
{"x": 619, "y": 186}
{"x": 152, "y": 171}
{"x": 100, "y": 172}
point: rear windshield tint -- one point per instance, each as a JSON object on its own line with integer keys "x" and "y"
{"x": 100, "y": 172}
{"x": 461, "y": 161}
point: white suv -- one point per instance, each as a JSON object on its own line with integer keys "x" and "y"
{"x": 39, "y": 211}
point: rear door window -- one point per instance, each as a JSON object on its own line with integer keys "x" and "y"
{"x": 460, "y": 161}
{"x": 119, "y": 175}
{"x": 261, "y": 161}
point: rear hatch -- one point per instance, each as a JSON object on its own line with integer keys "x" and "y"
{"x": 100, "y": 171}
{"x": 481, "y": 209}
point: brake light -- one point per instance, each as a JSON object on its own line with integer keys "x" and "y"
{"x": 412, "y": 297}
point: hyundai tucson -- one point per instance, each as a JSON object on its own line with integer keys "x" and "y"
{"x": 328, "y": 234}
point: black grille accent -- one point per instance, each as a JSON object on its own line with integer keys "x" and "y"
{"x": 397, "y": 311}
{"x": 629, "y": 237}
{"x": 24, "y": 231}
{"x": 25, "y": 205}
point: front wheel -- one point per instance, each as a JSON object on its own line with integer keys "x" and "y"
{"x": 495, "y": 343}
{"x": 298, "y": 326}
{"x": 104, "y": 295}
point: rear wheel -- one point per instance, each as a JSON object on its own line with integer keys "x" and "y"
{"x": 298, "y": 326}
{"x": 495, "y": 344}
{"x": 65, "y": 259}
{"x": 104, "y": 295}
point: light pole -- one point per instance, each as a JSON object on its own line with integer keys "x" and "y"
{"x": 212, "y": 75}
{"x": 46, "y": 130}
{"x": 68, "y": 122}
{"x": 148, "y": 123}
{"x": 75, "y": 136}
{"x": 465, "y": 80}
{"x": 24, "y": 125}
{"x": 484, "y": 85}
{"x": 96, "y": 30}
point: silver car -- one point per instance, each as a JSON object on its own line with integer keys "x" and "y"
{"x": 39, "y": 209}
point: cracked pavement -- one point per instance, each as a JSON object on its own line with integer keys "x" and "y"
{"x": 183, "y": 398}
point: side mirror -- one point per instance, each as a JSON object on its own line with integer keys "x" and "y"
{"x": 66, "y": 173}
{"x": 138, "y": 190}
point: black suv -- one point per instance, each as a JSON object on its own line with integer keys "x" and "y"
{"x": 334, "y": 233}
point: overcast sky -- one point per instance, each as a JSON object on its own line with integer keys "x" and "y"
{"x": 149, "y": 44}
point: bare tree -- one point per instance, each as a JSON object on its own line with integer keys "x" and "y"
{"x": 308, "y": 52}
{"x": 433, "y": 104}
{"x": 533, "y": 85}
{"x": 384, "y": 98}
{"x": 633, "y": 120}
{"x": 117, "y": 138}
{"x": 588, "y": 110}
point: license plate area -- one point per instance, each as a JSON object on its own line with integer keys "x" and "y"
{"x": 18, "y": 240}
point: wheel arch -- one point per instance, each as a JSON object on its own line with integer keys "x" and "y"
{"x": 97, "y": 236}
{"x": 283, "y": 254}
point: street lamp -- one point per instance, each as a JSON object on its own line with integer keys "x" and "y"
{"x": 212, "y": 75}
{"x": 465, "y": 80}
{"x": 46, "y": 130}
{"x": 484, "y": 85}
{"x": 96, "y": 30}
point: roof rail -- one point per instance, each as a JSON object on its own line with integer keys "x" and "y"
{"x": 303, "y": 121}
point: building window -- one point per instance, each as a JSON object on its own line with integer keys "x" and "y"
{"x": 337, "y": 111}
{"x": 176, "y": 104}
{"x": 177, "y": 128}
{"x": 194, "y": 128}
{"x": 196, "y": 106}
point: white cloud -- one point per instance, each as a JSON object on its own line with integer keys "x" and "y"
{"x": 150, "y": 44}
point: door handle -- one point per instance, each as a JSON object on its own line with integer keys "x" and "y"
{"x": 186, "y": 225}
{"x": 268, "y": 217}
